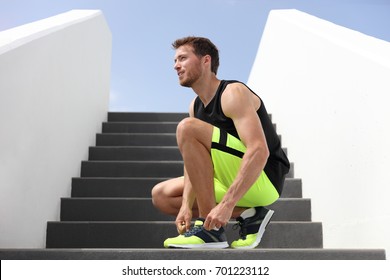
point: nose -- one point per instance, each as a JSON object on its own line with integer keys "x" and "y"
{"x": 176, "y": 66}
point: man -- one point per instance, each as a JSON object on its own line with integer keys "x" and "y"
{"x": 233, "y": 161}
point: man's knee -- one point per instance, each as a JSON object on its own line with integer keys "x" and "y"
{"x": 193, "y": 129}
{"x": 165, "y": 196}
{"x": 157, "y": 193}
{"x": 186, "y": 127}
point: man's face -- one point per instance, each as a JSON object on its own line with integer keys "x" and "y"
{"x": 187, "y": 66}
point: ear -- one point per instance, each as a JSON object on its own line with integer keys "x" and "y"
{"x": 207, "y": 60}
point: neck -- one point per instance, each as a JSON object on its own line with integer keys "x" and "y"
{"x": 206, "y": 89}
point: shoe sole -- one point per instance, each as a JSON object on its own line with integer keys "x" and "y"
{"x": 214, "y": 245}
{"x": 261, "y": 231}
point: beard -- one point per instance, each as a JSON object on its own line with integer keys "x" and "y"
{"x": 189, "y": 79}
{"x": 187, "y": 82}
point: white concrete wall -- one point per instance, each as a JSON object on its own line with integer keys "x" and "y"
{"x": 327, "y": 88}
{"x": 54, "y": 95}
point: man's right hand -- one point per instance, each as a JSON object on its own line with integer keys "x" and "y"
{"x": 183, "y": 220}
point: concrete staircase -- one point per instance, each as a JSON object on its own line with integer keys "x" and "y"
{"x": 110, "y": 215}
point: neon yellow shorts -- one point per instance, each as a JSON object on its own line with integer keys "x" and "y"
{"x": 226, "y": 153}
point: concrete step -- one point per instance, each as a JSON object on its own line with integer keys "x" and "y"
{"x": 135, "y": 153}
{"x": 172, "y": 254}
{"x": 139, "y": 127}
{"x": 136, "y": 139}
{"x": 132, "y": 169}
{"x": 292, "y": 188}
{"x": 148, "y": 117}
{"x": 152, "y": 234}
{"x": 113, "y": 187}
{"x": 141, "y": 187}
{"x": 145, "y": 117}
{"x": 164, "y": 169}
{"x": 141, "y": 209}
{"x": 110, "y": 209}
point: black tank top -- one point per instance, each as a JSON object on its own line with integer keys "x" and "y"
{"x": 277, "y": 165}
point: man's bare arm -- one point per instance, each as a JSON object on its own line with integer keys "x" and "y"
{"x": 239, "y": 104}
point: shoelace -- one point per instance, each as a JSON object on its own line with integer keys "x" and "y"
{"x": 193, "y": 231}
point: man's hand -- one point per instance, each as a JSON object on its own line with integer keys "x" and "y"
{"x": 218, "y": 217}
{"x": 183, "y": 220}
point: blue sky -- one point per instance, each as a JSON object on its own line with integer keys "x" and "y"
{"x": 142, "y": 75}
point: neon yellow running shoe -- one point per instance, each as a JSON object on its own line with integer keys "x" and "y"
{"x": 252, "y": 228}
{"x": 198, "y": 237}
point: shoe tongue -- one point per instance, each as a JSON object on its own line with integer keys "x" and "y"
{"x": 248, "y": 213}
{"x": 199, "y": 222}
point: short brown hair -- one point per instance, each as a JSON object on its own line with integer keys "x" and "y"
{"x": 202, "y": 46}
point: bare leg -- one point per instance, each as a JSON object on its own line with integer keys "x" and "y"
{"x": 194, "y": 141}
{"x": 167, "y": 197}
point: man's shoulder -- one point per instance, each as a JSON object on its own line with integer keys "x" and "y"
{"x": 235, "y": 85}
{"x": 229, "y": 82}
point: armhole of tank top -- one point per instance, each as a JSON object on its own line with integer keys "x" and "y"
{"x": 235, "y": 81}
{"x": 226, "y": 83}
{"x": 195, "y": 107}
{"x": 261, "y": 101}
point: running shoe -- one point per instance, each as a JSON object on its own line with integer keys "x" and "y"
{"x": 252, "y": 228}
{"x": 199, "y": 237}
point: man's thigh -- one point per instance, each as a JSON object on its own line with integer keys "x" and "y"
{"x": 227, "y": 152}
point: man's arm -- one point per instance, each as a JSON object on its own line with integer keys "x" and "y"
{"x": 239, "y": 104}
{"x": 251, "y": 133}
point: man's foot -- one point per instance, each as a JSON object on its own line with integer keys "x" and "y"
{"x": 252, "y": 228}
{"x": 198, "y": 237}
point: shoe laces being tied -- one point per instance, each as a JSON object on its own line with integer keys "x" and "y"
{"x": 242, "y": 223}
{"x": 194, "y": 230}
